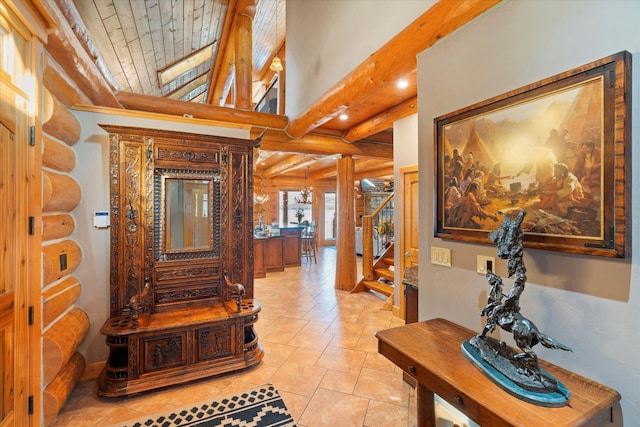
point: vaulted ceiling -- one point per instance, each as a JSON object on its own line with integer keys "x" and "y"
{"x": 142, "y": 42}
{"x": 163, "y": 54}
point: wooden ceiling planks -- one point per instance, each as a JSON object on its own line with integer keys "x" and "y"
{"x": 137, "y": 38}
{"x": 93, "y": 21}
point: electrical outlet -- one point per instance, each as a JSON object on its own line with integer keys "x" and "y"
{"x": 441, "y": 256}
{"x": 485, "y": 263}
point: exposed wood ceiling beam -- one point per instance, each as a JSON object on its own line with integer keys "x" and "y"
{"x": 261, "y": 155}
{"x": 200, "y": 98}
{"x": 222, "y": 85}
{"x": 382, "y": 121}
{"x": 66, "y": 48}
{"x": 277, "y": 140}
{"x": 72, "y": 16}
{"x": 365, "y": 166}
{"x": 273, "y": 140}
{"x": 386, "y": 65}
{"x": 176, "y": 107}
{"x": 385, "y": 137}
{"x": 222, "y": 70}
{"x": 173, "y": 71}
{"x": 374, "y": 173}
{"x": 181, "y": 92}
{"x": 324, "y": 173}
{"x": 291, "y": 163}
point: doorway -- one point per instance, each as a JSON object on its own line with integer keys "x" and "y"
{"x": 410, "y": 226}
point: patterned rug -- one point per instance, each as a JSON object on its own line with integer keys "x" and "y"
{"x": 258, "y": 407}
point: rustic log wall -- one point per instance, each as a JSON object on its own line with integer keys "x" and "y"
{"x": 58, "y": 390}
{"x": 272, "y": 186}
{"x": 65, "y": 324}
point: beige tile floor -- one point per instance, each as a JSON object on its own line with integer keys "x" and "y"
{"x": 320, "y": 353}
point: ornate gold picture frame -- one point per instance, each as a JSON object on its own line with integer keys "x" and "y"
{"x": 558, "y": 148}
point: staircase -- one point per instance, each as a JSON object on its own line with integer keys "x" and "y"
{"x": 383, "y": 278}
{"x": 378, "y": 272}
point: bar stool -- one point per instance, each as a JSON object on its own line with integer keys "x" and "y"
{"x": 308, "y": 243}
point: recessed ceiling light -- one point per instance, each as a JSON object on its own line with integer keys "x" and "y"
{"x": 403, "y": 84}
{"x": 343, "y": 117}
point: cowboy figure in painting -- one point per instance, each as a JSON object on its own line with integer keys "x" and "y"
{"x": 519, "y": 373}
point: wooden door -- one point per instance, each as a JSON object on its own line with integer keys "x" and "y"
{"x": 410, "y": 219}
{"x": 7, "y": 277}
{"x": 14, "y": 329}
{"x": 20, "y": 241}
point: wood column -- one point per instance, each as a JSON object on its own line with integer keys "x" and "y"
{"x": 243, "y": 57}
{"x": 346, "y": 239}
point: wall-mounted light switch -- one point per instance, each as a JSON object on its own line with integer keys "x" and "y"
{"x": 485, "y": 263}
{"x": 441, "y": 256}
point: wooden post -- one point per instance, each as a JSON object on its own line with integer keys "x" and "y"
{"x": 243, "y": 61}
{"x": 346, "y": 239}
{"x": 367, "y": 247}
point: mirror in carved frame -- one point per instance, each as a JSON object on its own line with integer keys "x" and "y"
{"x": 187, "y": 221}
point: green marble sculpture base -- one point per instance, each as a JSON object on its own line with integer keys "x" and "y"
{"x": 496, "y": 360}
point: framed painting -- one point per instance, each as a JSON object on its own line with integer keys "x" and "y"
{"x": 559, "y": 149}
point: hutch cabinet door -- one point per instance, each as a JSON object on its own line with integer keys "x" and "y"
{"x": 216, "y": 342}
{"x": 164, "y": 351}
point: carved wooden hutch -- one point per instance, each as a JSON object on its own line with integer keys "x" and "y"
{"x": 181, "y": 222}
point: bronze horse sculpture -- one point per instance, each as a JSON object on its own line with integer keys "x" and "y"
{"x": 504, "y": 312}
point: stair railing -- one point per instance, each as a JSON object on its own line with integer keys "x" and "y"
{"x": 376, "y": 227}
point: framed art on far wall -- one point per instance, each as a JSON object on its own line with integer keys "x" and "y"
{"x": 560, "y": 149}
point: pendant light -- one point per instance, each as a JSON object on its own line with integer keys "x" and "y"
{"x": 276, "y": 64}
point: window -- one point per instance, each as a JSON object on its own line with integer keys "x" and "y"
{"x": 269, "y": 101}
{"x": 330, "y": 221}
{"x": 289, "y": 209}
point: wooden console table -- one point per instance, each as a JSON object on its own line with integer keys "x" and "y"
{"x": 430, "y": 352}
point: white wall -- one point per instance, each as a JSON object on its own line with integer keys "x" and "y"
{"x": 405, "y": 153}
{"x": 590, "y": 303}
{"x": 92, "y": 173}
{"x": 327, "y": 39}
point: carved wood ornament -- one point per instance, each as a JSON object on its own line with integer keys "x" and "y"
{"x": 181, "y": 223}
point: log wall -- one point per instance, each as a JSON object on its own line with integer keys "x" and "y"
{"x": 58, "y": 390}
{"x": 65, "y": 325}
{"x": 272, "y": 186}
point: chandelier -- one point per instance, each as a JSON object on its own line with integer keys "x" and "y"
{"x": 305, "y": 193}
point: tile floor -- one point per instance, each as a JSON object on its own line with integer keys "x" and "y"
{"x": 320, "y": 353}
